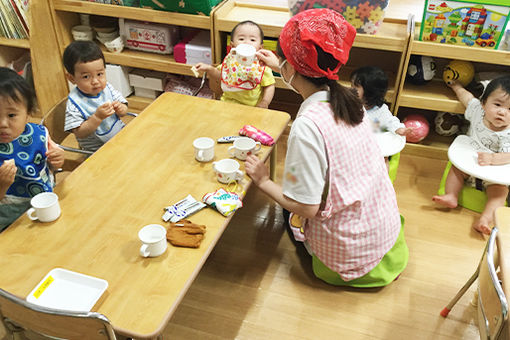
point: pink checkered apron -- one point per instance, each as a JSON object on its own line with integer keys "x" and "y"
{"x": 359, "y": 221}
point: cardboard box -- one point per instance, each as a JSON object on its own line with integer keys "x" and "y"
{"x": 477, "y": 24}
{"x": 118, "y": 76}
{"x": 149, "y": 37}
{"x": 193, "y": 49}
{"x": 146, "y": 93}
{"x": 147, "y": 79}
{"x": 202, "y": 7}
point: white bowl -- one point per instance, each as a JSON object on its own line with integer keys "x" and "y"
{"x": 116, "y": 45}
{"x": 82, "y": 32}
{"x": 109, "y": 36}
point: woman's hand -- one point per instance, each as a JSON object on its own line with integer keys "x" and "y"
{"x": 269, "y": 59}
{"x": 256, "y": 169}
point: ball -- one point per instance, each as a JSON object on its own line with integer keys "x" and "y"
{"x": 420, "y": 127}
{"x": 421, "y": 69}
{"x": 459, "y": 70}
{"x": 447, "y": 124}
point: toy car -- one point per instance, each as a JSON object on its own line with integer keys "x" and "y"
{"x": 485, "y": 42}
{"x": 468, "y": 42}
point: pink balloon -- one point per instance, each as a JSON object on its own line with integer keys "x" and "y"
{"x": 420, "y": 126}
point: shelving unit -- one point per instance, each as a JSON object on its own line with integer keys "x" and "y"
{"x": 390, "y": 42}
{"x": 435, "y": 95}
{"x": 67, "y": 15}
{"x": 49, "y": 80}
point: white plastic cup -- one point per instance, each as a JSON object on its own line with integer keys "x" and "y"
{"x": 244, "y": 54}
{"x": 153, "y": 237}
{"x": 45, "y": 206}
{"x": 227, "y": 170}
{"x": 243, "y": 147}
{"x": 204, "y": 149}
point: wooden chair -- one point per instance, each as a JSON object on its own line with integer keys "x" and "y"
{"x": 54, "y": 121}
{"x": 492, "y": 303}
{"x": 18, "y": 315}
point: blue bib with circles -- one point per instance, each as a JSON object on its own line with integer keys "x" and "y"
{"x": 29, "y": 153}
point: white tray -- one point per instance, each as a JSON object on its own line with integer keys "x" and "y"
{"x": 463, "y": 153}
{"x": 390, "y": 143}
{"x": 67, "y": 290}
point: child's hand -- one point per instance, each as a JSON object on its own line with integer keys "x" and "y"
{"x": 404, "y": 131}
{"x": 7, "y": 174}
{"x": 54, "y": 155}
{"x": 202, "y": 67}
{"x": 120, "y": 108}
{"x": 104, "y": 111}
{"x": 256, "y": 169}
{"x": 485, "y": 158}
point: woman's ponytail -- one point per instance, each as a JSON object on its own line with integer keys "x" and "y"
{"x": 345, "y": 103}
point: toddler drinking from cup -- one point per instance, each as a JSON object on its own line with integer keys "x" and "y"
{"x": 242, "y": 79}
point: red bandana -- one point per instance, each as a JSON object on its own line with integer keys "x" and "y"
{"x": 323, "y": 27}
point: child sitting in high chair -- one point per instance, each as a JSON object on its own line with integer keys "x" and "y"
{"x": 371, "y": 84}
{"x": 489, "y": 119}
{"x": 27, "y": 152}
{"x": 252, "y": 84}
{"x": 93, "y": 106}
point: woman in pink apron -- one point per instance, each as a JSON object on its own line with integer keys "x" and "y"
{"x": 335, "y": 178}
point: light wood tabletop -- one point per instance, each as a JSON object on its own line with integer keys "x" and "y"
{"x": 125, "y": 185}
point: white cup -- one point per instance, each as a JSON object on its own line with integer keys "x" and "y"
{"x": 153, "y": 237}
{"x": 227, "y": 170}
{"x": 204, "y": 149}
{"x": 116, "y": 45}
{"x": 244, "y": 54}
{"x": 45, "y": 206}
{"x": 243, "y": 147}
{"x": 82, "y": 32}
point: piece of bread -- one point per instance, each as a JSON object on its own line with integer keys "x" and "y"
{"x": 10, "y": 161}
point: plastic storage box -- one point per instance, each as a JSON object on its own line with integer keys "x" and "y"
{"x": 465, "y": 23}
{"x": 195, "y": 48}
{"x": 149, "y": 37}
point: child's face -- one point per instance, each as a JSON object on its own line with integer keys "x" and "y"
{"x": 89, "y": 77}
{"x": 13, "y": 118}
{"x": 497, "y": 110}
{"x": 247, "y": 34}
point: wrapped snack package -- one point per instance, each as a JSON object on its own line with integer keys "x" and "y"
{"x": 296, "y": 225}
{"x": 225, "y": 202}
{"x": 185, "y": 234}
{"x": 182, "y": 209}
{"x": 254, "y": 133}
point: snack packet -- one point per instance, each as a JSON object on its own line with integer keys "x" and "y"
{"x": 254, "y": 133}
{"x": 182, "y": 209}
{"x": 225, "y": 202}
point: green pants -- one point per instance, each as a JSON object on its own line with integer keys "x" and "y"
{"x": 391, "y": 265}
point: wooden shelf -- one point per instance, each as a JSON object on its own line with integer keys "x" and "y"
{"x": 434, "y": 95}
{"x": 390, "y": 37}
{"x": 143, "y": 14}
{"x": 147, "y": 60}
{"x": 434, "y": 146}
{"x": 20, "y": 43}
{"x": 460, "y": 52}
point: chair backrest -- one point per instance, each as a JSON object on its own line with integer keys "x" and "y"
{"x": 54, "y": 121}
{"x": 492, "y": 302}
{"x": 18, "y": 314}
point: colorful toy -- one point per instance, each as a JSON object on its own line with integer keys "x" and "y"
{"x": 460, "y": 71}
{"x": 478, "y": 23}
{"x": 447, "y": 124}
{"x": 365, "y": 15}
{"x": 420, "y": 127}
{"x": 421, "y": 69}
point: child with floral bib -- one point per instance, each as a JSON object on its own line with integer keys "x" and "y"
{"x": 251, "y": 84}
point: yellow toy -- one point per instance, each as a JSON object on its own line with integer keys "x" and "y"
{"x": 460, "y": 71}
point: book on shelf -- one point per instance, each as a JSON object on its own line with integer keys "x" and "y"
{"x": 14, "y": 19}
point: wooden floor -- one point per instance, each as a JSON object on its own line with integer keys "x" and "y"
{"x": 255, "y": 285}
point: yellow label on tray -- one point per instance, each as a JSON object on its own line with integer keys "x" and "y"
{"x": 43, "y": 287}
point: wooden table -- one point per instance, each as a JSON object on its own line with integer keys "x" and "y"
{"x": 125, "y": 185}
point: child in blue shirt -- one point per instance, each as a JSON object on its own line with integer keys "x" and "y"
{"x": 27, "y": 153}
{"x": 93, "y": 106}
